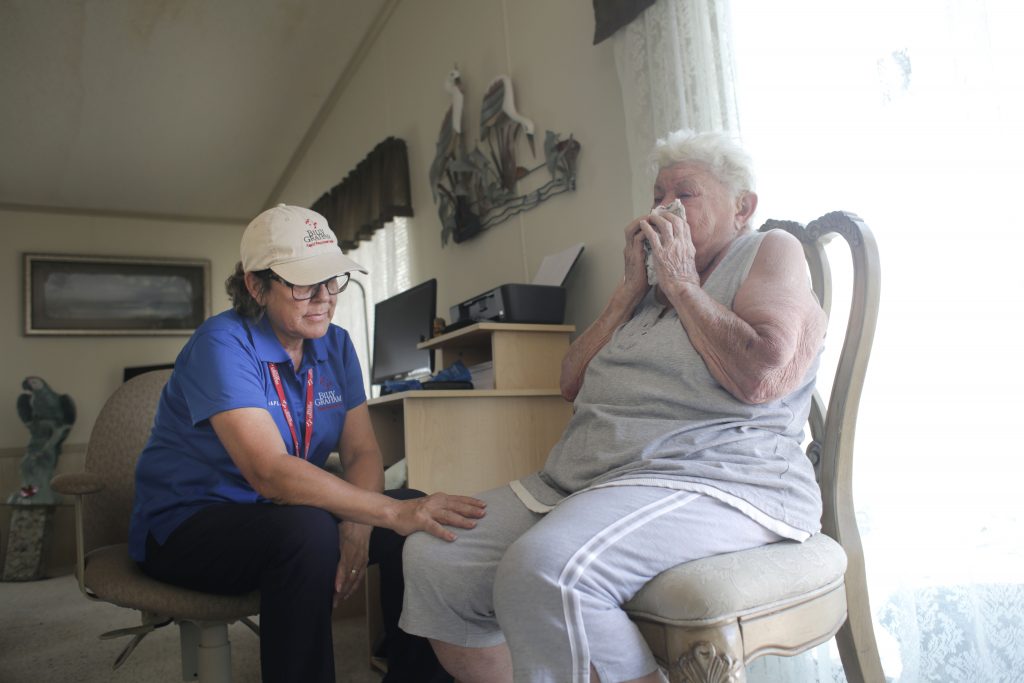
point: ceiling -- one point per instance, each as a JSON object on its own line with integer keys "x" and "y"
{"x": 184, "y": 109}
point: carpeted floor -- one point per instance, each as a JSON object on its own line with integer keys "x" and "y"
{"x": 49, "y": 634}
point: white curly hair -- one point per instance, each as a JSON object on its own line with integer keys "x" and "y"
{"x": 723, "y": 156}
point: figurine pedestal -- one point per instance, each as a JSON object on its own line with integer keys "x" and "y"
{"x": 27, "y": 542}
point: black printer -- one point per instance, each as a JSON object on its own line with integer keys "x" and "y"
{"x": 541, "y": 302}
{"x": 514, "y": 303}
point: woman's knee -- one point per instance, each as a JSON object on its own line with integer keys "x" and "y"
{"x": 424, "y": 555}
{"x": 529, "y": 568}
{"x": 303, "y": 534}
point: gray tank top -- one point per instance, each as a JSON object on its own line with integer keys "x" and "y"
{"x": 650, "y": 413}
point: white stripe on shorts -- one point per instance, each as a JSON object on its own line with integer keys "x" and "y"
{"x": 586, "y": 555}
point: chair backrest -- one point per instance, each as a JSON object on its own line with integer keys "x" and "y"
{"x": 118, "y": 436}
{"x": 833, "y": 426}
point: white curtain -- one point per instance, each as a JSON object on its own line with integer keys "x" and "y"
{"x": 386, "y": 256}
{"x": 675, "y": 66}
{"x": 911, "y": 114}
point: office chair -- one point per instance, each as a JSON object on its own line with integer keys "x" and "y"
{"x": 706, "y": 620}
{"x": 103, "y": 496}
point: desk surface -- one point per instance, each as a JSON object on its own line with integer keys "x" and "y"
{"x": 416, "y": 394}
{"x": 463, "y": 334}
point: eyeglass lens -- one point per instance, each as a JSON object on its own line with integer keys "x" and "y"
{"x": 333, "y": 286}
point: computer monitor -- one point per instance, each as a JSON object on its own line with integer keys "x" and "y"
{"x": 400, "y": 323}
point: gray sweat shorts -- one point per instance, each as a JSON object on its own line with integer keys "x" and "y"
{"x": 552, "y": 585}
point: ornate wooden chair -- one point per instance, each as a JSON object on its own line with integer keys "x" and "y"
{"x": 706, "y": 620}
{"x": 103, "y": 496}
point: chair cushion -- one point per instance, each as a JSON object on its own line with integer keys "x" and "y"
{"x": 112, "y": 575}
{"x": 725, "y": 587}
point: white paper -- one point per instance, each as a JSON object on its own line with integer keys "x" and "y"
{"x": 555, "y": 267}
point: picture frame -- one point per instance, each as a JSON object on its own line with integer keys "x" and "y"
{"x": 106, "y": 295}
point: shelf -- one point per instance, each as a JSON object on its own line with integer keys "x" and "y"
{"x": 460, "y": 393}
{"x": 479, "y": 331}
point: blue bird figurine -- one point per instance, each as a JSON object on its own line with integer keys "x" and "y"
{"x": 49, "y": 417}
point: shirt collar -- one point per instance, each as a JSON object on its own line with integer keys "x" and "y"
{"x": 269, "y": 349}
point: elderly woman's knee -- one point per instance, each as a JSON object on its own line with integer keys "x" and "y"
{"x": 529, "y": 567}
{"x": 424, "y": 554}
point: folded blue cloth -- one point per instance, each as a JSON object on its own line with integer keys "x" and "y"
{"x": 393, "y": 386}
{"x": 456, "y": 372}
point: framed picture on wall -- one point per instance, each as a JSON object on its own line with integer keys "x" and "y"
{"x": 96, "y": 295}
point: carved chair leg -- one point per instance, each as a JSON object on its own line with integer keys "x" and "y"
{"x": 710, "y": 656}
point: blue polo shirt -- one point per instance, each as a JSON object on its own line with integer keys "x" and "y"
{"x": 223, "y": 366}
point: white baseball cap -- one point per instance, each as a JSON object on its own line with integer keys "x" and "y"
{"x": 295, "y": 243}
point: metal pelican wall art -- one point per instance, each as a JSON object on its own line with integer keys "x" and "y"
{"x": 476, "y": 190}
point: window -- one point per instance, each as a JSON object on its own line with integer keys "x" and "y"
{"x": 386, "y": 256}
{"x": 911, "y": 114}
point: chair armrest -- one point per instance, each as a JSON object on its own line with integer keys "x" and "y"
{"x": 77, "y": 483}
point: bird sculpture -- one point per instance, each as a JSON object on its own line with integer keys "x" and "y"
{"x": 49, "y": 417}
{"x": 445, "y": 186}
{"x": 450, "y": 136}
{"x": 560, "y": 157}
{"x": 500, "y": 124}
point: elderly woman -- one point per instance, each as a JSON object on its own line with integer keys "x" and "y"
{"x": 231, "y": 495}
{"x": 690, "y": 400}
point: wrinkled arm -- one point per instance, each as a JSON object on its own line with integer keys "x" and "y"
{"x": 624, "y": 300}
{"x": 586, "y": 346}
{"x": 762, "y": 348}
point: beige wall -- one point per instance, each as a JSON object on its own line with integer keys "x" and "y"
{"x": 89, "y": 368}
{"x": 562, "y": 82}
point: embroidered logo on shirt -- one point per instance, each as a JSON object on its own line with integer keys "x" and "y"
{"x": 328, "y": 399}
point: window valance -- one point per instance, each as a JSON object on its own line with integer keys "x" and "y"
{"x": 375, "y": 192}
{"x": 611, "y": 15}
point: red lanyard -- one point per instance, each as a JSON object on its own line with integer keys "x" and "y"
{"x": 287, "y": 414}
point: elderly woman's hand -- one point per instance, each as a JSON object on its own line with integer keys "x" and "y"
{"x": 672, "y": 251}
{"x": 635, "y": 278}
{"x": 431, "y": 512}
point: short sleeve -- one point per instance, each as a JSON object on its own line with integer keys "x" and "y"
{"x": 355, "y": 394}
{"x": 220, "y": 372}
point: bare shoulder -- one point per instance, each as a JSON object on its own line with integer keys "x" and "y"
{"x": 779, "y": 250}
{"x": 777, "y": 276}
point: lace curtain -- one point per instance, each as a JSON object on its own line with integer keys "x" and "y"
{"x": 387, "y": 258}
{"x": 674, "y": 63}
{"x": 910, "y": 113}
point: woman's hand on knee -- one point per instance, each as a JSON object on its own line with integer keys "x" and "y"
{"x": 432, "y": 513}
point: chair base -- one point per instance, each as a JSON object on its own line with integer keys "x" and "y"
{"x": 205, "y": 652}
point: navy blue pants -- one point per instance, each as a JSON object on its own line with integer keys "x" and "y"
{"x": 290, "y": 554}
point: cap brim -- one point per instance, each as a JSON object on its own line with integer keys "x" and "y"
{"x": 317, "y": 269}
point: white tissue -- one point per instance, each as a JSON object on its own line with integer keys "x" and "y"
{"x": 675, "y": 207}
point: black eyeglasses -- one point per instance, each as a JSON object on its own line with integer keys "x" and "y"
{"x": 334, "y": 285}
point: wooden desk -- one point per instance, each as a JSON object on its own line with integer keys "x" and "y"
{"x": 468, "y": 441}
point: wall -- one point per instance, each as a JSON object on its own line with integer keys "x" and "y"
{"x": 86, "y": 368}
{"x": 562, "y": 82}
{"x": 89, "y": 368}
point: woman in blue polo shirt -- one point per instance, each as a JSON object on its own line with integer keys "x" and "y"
{"x": 230, "y": 492}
